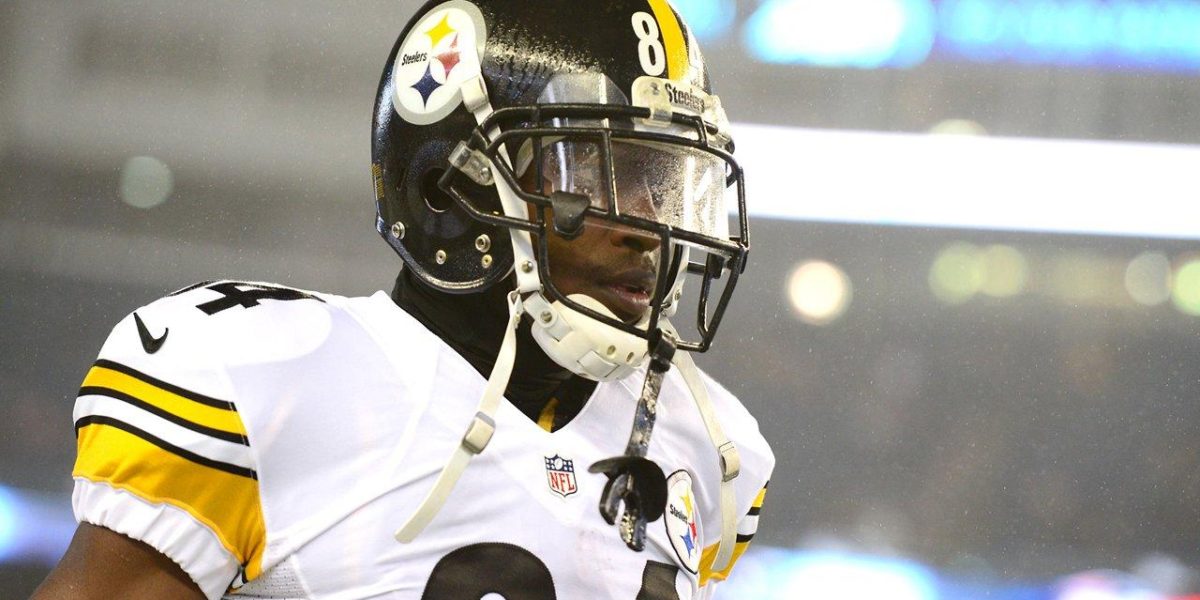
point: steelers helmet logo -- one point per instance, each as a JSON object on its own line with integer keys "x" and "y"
{"x": 682, "y": 518}
{"x": 438, "y": 55}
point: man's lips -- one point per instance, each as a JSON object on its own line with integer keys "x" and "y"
{"x": 628, "y": 293}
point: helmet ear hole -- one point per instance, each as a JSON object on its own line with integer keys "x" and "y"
{"x": 435, "y": 198}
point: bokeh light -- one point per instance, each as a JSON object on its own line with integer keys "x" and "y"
{"x": 900, "y": 33}
{"x": 958, "y": 127}
{"x": 707, "y": 19}
{"x": 820, "y": 292}
{"x": 1005, "y": 271}
{"x": 957, "y": 273}
{"x": 1086, "y": 278}
{"x": 1148, "y": 279}
{"x": 8, "y": 522}
{"x": 146, "y": 182}
{"x": 1186, "y": 292}
{"x": 850, "y": 577}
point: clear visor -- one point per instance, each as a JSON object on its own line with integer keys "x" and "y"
{"x": 679, "y": 186}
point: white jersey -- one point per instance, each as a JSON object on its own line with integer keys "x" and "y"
{"x": 271, "y": 441}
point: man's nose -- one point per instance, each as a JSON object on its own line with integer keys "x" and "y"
{"x": 634, "y": 239}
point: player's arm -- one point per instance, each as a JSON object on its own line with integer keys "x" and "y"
{"x": 166, "y": 486}
{"x": 103, "y": 564}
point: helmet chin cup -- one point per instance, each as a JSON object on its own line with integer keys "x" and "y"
{"x": 587, "y": 347}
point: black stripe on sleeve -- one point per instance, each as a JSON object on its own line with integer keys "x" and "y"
{"x": 742, "y": 539}
{"x": 754, "y": 510}
{"x": 174, "y": 389}
{"x": 192, "y": 456}
{"x": 228, "y": 436}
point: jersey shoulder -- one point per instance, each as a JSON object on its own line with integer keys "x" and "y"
{"x": 226, "y": 321}
{"x": 741, "y": 427}
{"x": 164, "y": 453}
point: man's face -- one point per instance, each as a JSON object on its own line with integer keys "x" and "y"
{"x": 662, "y": 183}
{"x": 613, "y": 264}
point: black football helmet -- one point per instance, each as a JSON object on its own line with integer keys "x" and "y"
{"x": 503, "y": 126}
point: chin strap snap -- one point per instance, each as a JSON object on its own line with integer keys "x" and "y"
{"x": 478, "y": 434}
{"x": 727, "y": 456}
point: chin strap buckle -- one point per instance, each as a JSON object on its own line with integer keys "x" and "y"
{"x": 479, "y": 433}
{"x": 731, "y": 461}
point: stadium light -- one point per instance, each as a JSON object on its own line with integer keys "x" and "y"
{"x": 973, "y": 182}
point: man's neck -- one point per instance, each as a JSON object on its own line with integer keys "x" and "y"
{"x": 473, "y": 325}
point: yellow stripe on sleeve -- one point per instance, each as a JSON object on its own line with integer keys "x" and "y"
{"x": 673, "y": 40}
{"x": 223, "y": 419}
{"x": 710, "y": 555}
{"x": 758, "y": 500}
{"x": 226, "y": 503}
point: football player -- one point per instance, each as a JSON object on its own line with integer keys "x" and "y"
{"x": 520, "y": 417}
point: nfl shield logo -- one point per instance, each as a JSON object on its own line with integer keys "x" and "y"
{"x": 560, "y": 474}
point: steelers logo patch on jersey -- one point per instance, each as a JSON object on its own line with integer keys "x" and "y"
{"x": 682, "y": 520}
{"x": 439, "y": 54}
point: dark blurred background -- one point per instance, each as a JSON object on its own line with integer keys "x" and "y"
{"x": 974, "y": 346}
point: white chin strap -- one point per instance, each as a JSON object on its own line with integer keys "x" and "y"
{"x": 727, "y": 457}
{"x": 478, "y": 434}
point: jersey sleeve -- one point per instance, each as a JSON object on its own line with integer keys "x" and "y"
{"x": 162, "y": 453}
{"x": 757, "y": 467}
{"x": 747, "y": 527}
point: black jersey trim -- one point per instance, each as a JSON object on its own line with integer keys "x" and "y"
{"x": 742, "y": 539}
{"x": 169, "y": 447}
{"x": 189, "y": 288}
{"x": 220, "y": 434}
{"x": 754, "y": 510}
{"x": 174, "y": 389}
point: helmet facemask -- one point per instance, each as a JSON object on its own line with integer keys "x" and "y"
{"x": 587, "y": 163}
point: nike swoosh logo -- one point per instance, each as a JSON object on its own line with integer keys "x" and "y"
{"x": 150, "y": 343}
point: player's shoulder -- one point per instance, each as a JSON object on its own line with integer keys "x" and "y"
{"x": 757, "y": 461}
{"x": 191, "y": 335}
{"x": 225, "y": 318}
{"x": 739, "y": 423}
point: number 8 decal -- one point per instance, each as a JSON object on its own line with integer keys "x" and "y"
{"x": 650, "y": 49}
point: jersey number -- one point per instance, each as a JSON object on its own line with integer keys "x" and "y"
{"x": 474, "y": 571}
{"x": 650, "y": 49}
{"x": 246, "y": 295}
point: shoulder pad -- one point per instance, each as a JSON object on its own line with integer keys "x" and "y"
{"x": 222, "y": 320}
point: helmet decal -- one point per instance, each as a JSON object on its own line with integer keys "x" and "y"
{"x": 440, "y": 53}
{"x": 673, "y": 40}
